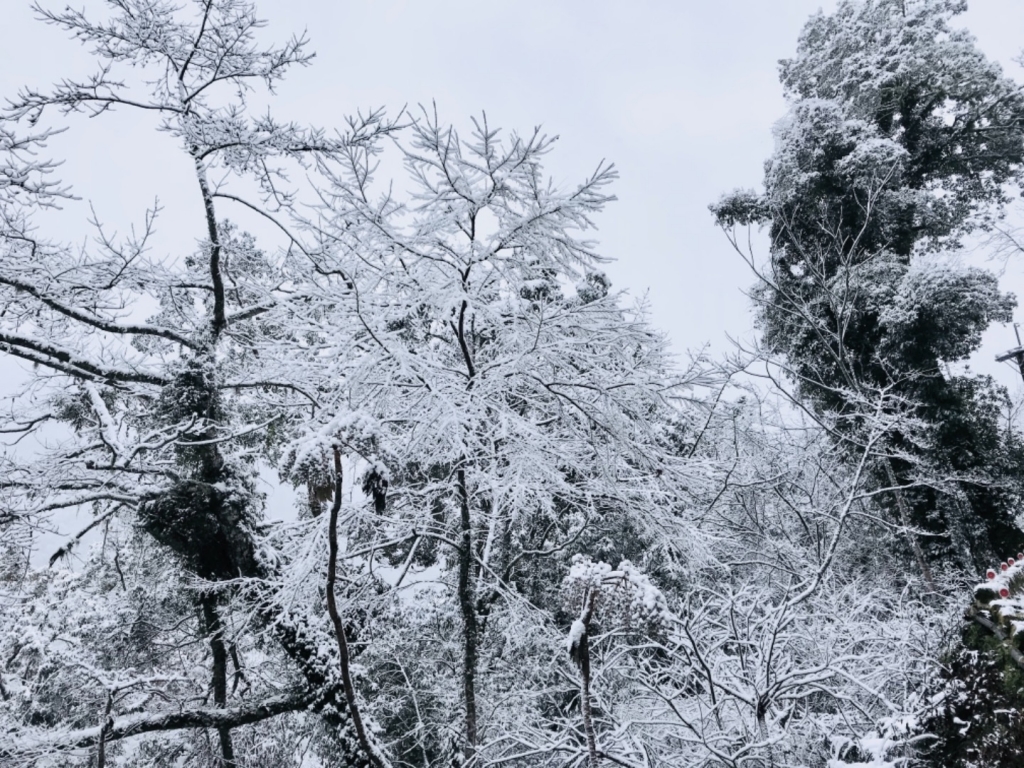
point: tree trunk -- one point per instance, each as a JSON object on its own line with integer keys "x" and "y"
{"x": 762, "y": 727}
{"x": 915, "y": 545}
{"x": 375, "y": 758}
{"x": 215, "y": 629}
{"x": 101, "y": 747}
{"x": 470, "y": 626}
{"x": 584, "y": 660}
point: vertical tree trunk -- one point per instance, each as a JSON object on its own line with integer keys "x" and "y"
{"x": 582, "y": 657}
{"x": 915, "y": 545}
{"x": 470, "y": 626}
{"x": 762, "y": 726}
{"x": 101, "y": 748}
{"x": 376, "y": 759}
{"x": 219, "y": 320}
{"x": 215, "y": 630}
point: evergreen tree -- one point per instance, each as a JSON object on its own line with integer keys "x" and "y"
{"x": 901, "y": 139}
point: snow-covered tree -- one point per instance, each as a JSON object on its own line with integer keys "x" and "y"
{"x": 147, "y": 410}
{"x": 525, "y": 535}
{"x": 796, "y": 638}
{"x": 901, "y": 137}
{"x": 504, "y": 409}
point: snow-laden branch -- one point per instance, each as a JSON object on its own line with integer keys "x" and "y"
{"x": 134, "y": 725}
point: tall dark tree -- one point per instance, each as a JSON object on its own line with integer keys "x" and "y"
{"x": 901, "y": 138}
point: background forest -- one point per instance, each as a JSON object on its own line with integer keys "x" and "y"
{"x": 385, "y": 472}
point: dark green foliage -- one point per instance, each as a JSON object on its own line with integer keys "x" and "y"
{"x": 206, "y": 514}
{"x": 375, "y": 485}
{"x": 204, "y": 525}
{"x": 973, "y": 519}
{"x": 595, "y": 286}
{"x": 903, "y": 68}
{"x": 901, "y": 139}
{"x": 978, "y": 723}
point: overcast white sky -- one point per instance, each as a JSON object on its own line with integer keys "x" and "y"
{"x": 681, "y": 95}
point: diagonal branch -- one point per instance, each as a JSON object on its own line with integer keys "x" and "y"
{"x": 95, "y": 320}
{"x": 60, "y": 359}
